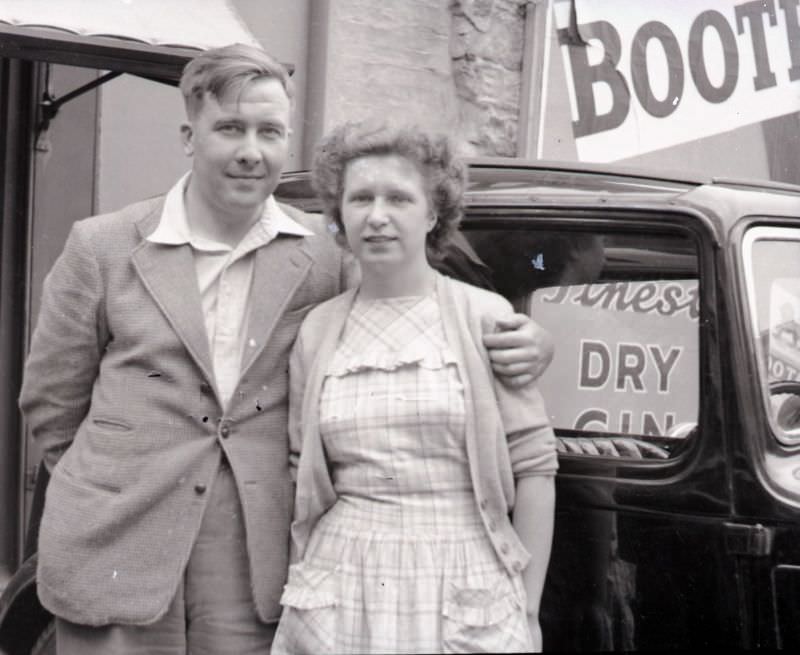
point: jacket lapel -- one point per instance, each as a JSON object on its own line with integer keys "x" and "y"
{"x": 168, "y": 273}
{"x": 280, "y": 269}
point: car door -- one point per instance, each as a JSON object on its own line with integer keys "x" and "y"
{"x": 635, "y": 396}
{"x": 766, "y": 483}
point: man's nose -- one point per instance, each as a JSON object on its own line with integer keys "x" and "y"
{"x": 248, "y": 152}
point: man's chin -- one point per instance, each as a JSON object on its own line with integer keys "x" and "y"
{"x": 250, "y": 198}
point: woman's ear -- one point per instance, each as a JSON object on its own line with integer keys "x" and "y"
{"x": 432, "y": 222}
{"x": 186, "y": 138}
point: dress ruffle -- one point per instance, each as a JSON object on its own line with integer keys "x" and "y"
{"x": 425, "y": 355}
{"x": 375, "y": 329}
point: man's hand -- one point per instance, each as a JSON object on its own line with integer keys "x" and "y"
{"x": 519, "y": 349}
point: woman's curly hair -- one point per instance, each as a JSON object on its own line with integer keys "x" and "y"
{"x": 445, "y": 175}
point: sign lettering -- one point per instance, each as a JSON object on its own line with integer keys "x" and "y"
{"x": 626, "y": 358}
{"x": 705, "y": 67}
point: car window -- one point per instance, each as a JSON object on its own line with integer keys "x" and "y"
{"x": 623, "y": 311}
{"x": 772, "y": 271}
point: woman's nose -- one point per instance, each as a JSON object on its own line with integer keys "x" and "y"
{"x": 377, "y": 212}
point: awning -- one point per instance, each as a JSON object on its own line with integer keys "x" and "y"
{"x": 153, "y": 38}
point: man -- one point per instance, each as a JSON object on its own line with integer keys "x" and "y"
{"x": 157, "y": 386}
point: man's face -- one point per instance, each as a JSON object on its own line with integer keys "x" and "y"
{"x": 239, "y": 146}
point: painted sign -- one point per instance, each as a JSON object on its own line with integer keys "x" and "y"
{"x": 626, "y": 358}
{"x": 648, "y": 75}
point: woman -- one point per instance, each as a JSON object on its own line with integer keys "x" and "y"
{"x": 401, "y": 539}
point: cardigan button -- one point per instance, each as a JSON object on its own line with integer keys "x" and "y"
{"x": 199, "y": 488}
{"x": 492, "y": 525}
{"x": 484, "y": 504}
{"x": 504, "y": 549}
{"x": 517, "y": 566}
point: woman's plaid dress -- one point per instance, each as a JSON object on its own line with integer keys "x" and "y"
{"x": 401, "y": 563}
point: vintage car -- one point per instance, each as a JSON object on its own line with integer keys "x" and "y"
{"x": 674, "y": 305}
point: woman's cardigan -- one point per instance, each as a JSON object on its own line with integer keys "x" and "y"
{"x": 508, "y": 434}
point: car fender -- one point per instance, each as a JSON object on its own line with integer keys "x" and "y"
{"x": 22, "y": 617}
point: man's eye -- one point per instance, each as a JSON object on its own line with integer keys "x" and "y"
{"x": 399, "y": 198}
{"x": 272, "y": 132}
{"x": 359, "y": 197}
{"x": 229, "y": 129}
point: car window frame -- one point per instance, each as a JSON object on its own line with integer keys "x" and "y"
{"x": 750, "y": 236}
{"x": 626, "y": 219}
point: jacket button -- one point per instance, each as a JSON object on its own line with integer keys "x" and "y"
{"x": 224, "y": 431}
{"x": 205, "y": 388}
{"x": 200, "y": 488}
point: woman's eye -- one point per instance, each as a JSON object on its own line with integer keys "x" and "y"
{"x": 229, "y": 129}
{"x": 399, "y": 198}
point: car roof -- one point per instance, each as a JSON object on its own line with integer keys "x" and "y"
{"x": 503, "y": 182}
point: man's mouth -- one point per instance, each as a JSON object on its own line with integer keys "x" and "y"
{"x": 378, "y": 239}
{"x": 240, "y": 176}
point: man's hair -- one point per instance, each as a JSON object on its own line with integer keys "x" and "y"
{"x": 222, "y": 71}
{"x": 444, "y": 174}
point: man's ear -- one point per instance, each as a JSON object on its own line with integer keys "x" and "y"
{"x": 187, "y": 132}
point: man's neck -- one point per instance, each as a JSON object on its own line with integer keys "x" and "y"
{"x": 209, "y": 223}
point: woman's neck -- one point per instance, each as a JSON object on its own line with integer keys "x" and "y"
{"x": 392, "y": 284}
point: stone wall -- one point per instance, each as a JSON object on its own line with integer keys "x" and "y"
{"x": 390, "y": 58}
{"x": 449, "y": 65}
{"x": 486, "y": 46}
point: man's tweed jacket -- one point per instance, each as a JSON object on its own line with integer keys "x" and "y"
{"x": 119, "y": 391}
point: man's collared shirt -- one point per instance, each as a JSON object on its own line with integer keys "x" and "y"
{"x": 224, "y": 278}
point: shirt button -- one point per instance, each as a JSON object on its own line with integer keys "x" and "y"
{"x": 199, "y": 488}
{"x": 504, "y": 549}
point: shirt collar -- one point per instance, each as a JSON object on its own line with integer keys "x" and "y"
{"x": 173, "y": 226}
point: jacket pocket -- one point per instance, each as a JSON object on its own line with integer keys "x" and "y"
{"x": 485, "y": 619}
{"x": 111, "y": 424}
{"x": 92, "y": 485}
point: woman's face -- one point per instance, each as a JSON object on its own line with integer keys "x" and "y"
{"x": 386, "y": 213}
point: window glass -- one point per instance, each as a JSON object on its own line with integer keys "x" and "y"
{"x": 772, "y": 257}
{"x": 623, "y": 311}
